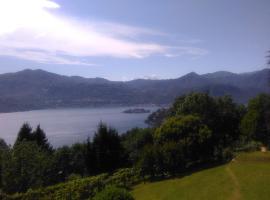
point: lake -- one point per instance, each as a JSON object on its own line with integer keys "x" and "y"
{"x": 68, "y": 126}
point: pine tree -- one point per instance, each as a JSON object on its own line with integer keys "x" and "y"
{"x": 107, "y": 148}
{"x": 25, "y": 134}
{"x": 40, "y": 138}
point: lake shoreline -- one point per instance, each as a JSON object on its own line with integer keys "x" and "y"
{"x": 86, "y": 107}
{"x": 71, "y": 125}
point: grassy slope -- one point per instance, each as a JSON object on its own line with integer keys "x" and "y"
{"x": 246, "y": 178}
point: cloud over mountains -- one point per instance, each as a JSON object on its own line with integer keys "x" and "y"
{"x": 32, "y": 30}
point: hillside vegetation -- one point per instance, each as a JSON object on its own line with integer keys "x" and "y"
{"x": 247, "y": 177}
{"x": 197, "y": 131}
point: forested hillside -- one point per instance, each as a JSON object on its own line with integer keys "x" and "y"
{"x": 37, "y": 89}
{"x": 197, "y": 132}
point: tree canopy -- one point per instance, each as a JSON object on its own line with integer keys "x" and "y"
{"x": 106, "y": 149}
{"x": 256, "y": 122}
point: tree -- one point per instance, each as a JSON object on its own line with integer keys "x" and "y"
{"x": 26, "y": 166}
{"x": 173, "y": 158}
{"x": 221, "y": 115}
{"x": 62, "y": 160}
{"x": 148, "y": 161}
{"x": 70, "y": 161}
{"x": 25, "y": 133}
{"x": 200, "y": 104}
{"x": 90, "y": 159}
{"x": 190, "y": 131}
{"x": 256, "y": 123}
{"x": 155, "y": 119}
{"x": 227, "y": 124}
{"x": 107, "y": 149}
{"x": 134, "y": 141}
{"x": 3, "y": 145}
{"x": 4, "y": 148}
{"x": 78, "y": 158}
{"x": 40, "y": 138}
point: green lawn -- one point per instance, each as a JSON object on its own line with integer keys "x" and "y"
{"x": 245, "y": 178}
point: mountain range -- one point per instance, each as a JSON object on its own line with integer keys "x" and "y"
{"x": 38, "y": 89}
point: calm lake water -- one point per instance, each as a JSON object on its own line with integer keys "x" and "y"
{"x": 68, "y": 126}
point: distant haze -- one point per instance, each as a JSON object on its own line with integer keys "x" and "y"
{"x": 38, "y": 89}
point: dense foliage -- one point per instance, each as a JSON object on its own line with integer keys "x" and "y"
{"x": 83, "y": 188}
{"x": 256, "y": 123}
{"x": 25, "y": 166}
{"x": 104, "y": 153}
{"x": 197, "y": 130}
{"x": 113, "y": 193}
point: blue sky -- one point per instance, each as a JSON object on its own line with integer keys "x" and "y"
{"x": 127, "y": 39}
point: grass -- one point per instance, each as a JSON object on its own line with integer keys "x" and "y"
{"x": 245, "y": 178}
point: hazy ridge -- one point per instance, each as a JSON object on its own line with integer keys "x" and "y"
{"x": 38, "y": 89}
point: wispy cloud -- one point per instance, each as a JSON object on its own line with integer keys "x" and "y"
{"x": 186, "y": 50}
{"x": 43, "y": 57}
{"x": 34, "y": 25}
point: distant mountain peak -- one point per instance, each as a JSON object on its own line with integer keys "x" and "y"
{"x": 219, "y": 74}
{"x": 33, "y": 70}
{"x": 192, "y": 74}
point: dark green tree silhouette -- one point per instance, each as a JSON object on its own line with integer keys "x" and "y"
{"x": 107, "y": 149}
{"x": 90, "y": 158}
{"x": 4, "y": 148}
{"x": 25, "y": 133}
{"x": 40, "y": 138}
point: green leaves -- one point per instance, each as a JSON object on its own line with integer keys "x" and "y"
{"x": 256, "y": 122}
{"x": 186, "y": 128}
{"x": 113, "y": 193}
{"x": 26, "y": 166}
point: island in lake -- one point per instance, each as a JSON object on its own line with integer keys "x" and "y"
{"x": 137, "y": 110}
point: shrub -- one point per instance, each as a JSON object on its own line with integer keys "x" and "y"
{"x": 125, "y": 177}
{"x": 249, "y": 146}
{"x": 113, "y": 193}
{"x": 83, "y": 188}
{"x": 72, "y": 190}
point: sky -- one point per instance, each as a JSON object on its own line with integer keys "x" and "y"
{"x": 127, "y": 39}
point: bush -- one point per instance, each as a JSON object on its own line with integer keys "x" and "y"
{"x": 125, "y": 177}
{"x": 134, "y": 141}
{"x": 72, "y": 190}
{"x": 73, "y": 177}
{"x": 249, "y": 146}
{"x": 113, "y": 193}
{"x": 83, "y": 188}
{"x": 255, "y": 124}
